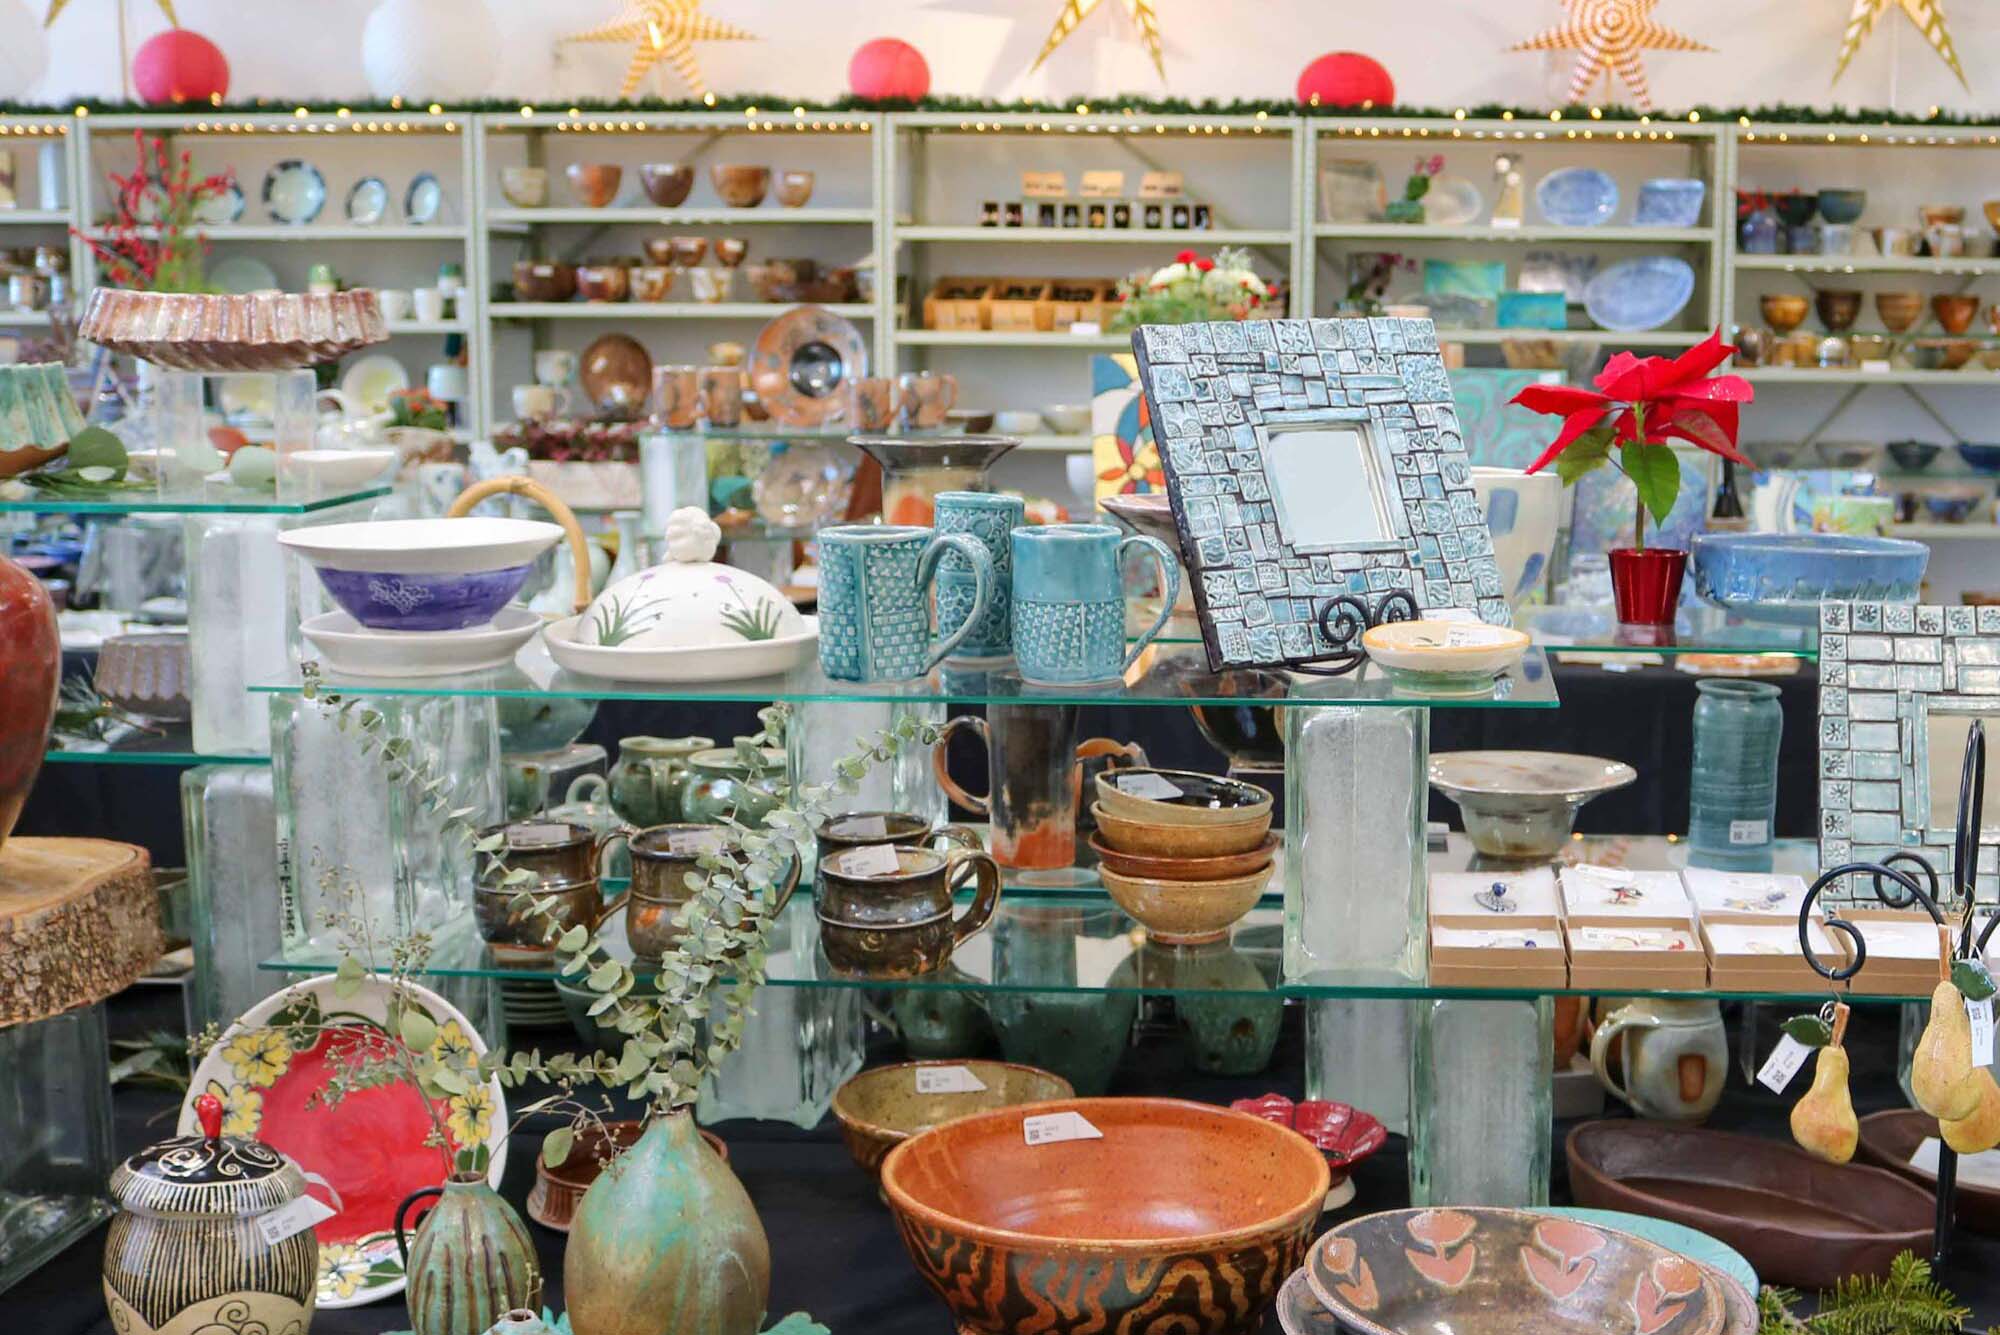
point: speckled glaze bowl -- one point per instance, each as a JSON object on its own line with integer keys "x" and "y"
{"x": 879, "y": 1109}
{"x": 667, "y": 183}
{"x": 1185, "y": 913}
{"x": 1153, "y": 839}
{"x": 1204, "y": 799}
{"x": 1180, "y": 1217}
{"x": 740, "y": 185}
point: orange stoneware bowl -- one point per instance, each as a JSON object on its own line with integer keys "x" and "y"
{"x": 1178, "y": 1217}
{"x": 1152, "y": 839}
{"x": 1216, "y": 868}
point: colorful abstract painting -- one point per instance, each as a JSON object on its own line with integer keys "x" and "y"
{"x": 1122, "y": 453}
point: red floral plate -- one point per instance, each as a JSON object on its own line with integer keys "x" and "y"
{"x": 1345, "y": 1134}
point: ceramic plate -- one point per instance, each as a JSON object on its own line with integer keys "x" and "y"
{"x": 371, "y": 380}
{"x": 370, "y": 1146}
{"x": 616, "y": 372}
{"x": 294, "y": 192}
{"x": 1639, "y": 294}
{"x": 1453, "y": 201}
{"x": 241, "y": 275}
{"x": 224, "y": 207}
{"x": 758, "y": 658}
{"x": 423, "y": 199}
{"x": 1711, "y": 1252}
{"x": 368, "y": 201}
{"x": 352, "y": 650}
{"x": 803, "y": 361}
{"x": 1576, "y": 197}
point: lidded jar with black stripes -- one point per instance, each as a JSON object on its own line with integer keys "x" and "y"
{"x": 186, "y": 1251}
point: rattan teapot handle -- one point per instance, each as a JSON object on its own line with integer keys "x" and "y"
{"x": 515, "y": 484}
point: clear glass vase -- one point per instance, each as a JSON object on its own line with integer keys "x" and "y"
{"x": 1734, "y": 799}
{"x": 55, "y": 1137}
{"x": 1481, "y": 1109}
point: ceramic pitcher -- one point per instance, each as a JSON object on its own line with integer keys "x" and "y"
{"x": 1675, "y": 1056}
{"x": 646, "y": 781}
{"x": 1034, "y": 769}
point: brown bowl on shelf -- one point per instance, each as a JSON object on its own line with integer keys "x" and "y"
{"x": 558, "y": 1191}
{"x": 666, "y": 183}
{"x": 659, "y": 249}
{"x": 1217, "y": 868}
{"x": 687, "y": 251}
{"x": 651, "y": 282}
{"x": 1186, "y": 913}
{"x": 1899, "y": 310}
{"x": 1179, "y": 841}
{"x": 1955, "y": 311}
{"x": 794, "y": 188}
{"x": 881, "y": 1108}
{"x": 594, "y": 183}
{"x": 604, "y": 282}
{"x": 544, "y": 280}
{"x": 1941, "y": 215}
{"x": 1200, "y": 1213}
{"x": 1941, "y": 354}
{"x": 1837, "y": 308}
{"x": 1189, "y": 797}
{"x": 740, "y": 185}
{"x": 1783, "y": 311}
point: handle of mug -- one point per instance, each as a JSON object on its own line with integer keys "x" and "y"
{"x": 1607, "y": 1033}
{"x": 402, "y": 1239}
{"x": 960, "y": 836}
{"x": 791, "y": 883}
{"x": 1170, "y": 580}
{"x": 588, "y": 788}
{"x": 942, "y": 773}
{"x": 984, "y": 900}
{"x": 974, "y": 551}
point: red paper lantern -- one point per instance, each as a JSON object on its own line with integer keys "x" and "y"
{"x": 180, "y": 66}
{"x": 888, "y": 68}
{"x": 1346, "y": 79}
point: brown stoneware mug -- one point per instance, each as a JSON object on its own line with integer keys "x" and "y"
{"x": 926, "y": 396}
{"x": 722, "y": 394}
{"x": 856, "y": 829}
{"x": 662, "y": 858}
{"x": 874, "y": 402}
{"x": 677, "y": 396}
{"x": 564, "y": 859}
{"x": 882, "y": 924}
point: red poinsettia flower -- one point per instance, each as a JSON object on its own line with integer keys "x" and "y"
{"x": 1185, "y": 257}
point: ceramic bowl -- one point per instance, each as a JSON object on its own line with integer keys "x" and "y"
{"x": 1954, "y": 506}
{"x": 525, "y": 187}
{"x": 145, "y": 673}
{"x": 969, "y": 421}
{"x": 1783, "y": 311}
{"x": 881, "y": 1108}
{"x": 1940, "y": 354}
{"x": 1846, "y": 453}
{"x": 1913, "y": 456}
{"x": 1671, "y": 201}
{"x": 1523, "y": 804}
{"x": 1980, "y": 458}
{"x": 331, "y": 472}
{"x": 1576, "y": 197}
{"x": 423, "y": 574}
{"x": 1067, "y": 419}
{"x": 595, "y": 184}
{"x": 544, "y": 280}
{"x": 740, "y": 185}
{"x": 1899, "y": 310}
{"x": 650, "y": 282}
{"x": 1783, "y": 577}
{"x": 1203, "y": 799}
{"x": 1179, "y": 841}
{"x": 1016, "y": 422}
{"x": 1141, "y": 865}
{"x": 794, "y": 188}
{"x": 604, "y": 282}
{"x": 1444, "y": 657}
{"x": 1864, "y": 348}
{"x": 1639, "y": 294}
{"x": 666, "y": 183}
{"x": 1795, "y": 207}
{"x": 1179, "y": 1217}
{"x": 1773, "y": 453}
{"x": 1955, "y": 311}
{"x": 1343, "y": 1133}
{"x": 1185, "y": 913}
{"x": 1837, "y": 308}
{"x": 1941, "y": 215}
{"x": 557, "y": 1192}
{"x": 1842, "y": 206}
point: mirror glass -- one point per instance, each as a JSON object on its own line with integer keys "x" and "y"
{"x": 1327, "y": 485}
{"x": 1944, "y": 744}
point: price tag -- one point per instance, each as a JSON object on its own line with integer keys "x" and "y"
{"x": 1161, "y": 185}
{"x": 1044, "y": 185}
{"x": 1149, "y": 785}
{"x": 864, "y": 827}
{"x": 1048, "y": 1128}
{"x": 295, "y": 1217}
{"x": 1086, "y": 328}
{"x": 1462, "y": 636}
{"x": 1784, "y": 1063}
{"x": 1749, "y": 832}
{"x": 538, "y": 835}
{"x": 1102, "y": 183}
{"x": 1980, "y": 1015}
{"x": 870, "y": 860}
{"x": 948, "y": 1080}
{"x": 693, "y": 843}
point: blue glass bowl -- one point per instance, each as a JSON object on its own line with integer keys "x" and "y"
{"x": 1783, "y": 577}
{"x": 1576, "y": 197}
{"x": 1671, "y": 201}
{"x": 1980, "y": 458}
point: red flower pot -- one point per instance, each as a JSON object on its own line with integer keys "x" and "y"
{"x": 30, "y": 674}
{"x": 1646, "y": 584}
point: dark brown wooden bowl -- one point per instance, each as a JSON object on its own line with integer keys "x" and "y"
{"x": 1888, "y": 1139}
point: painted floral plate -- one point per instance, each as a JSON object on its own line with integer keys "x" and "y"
{"x": 267, "y": 1069}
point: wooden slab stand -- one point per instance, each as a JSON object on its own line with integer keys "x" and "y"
{"x": 78, "y": 922}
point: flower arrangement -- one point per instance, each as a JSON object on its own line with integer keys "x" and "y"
{"x": 1191, "y": 290}
{"x": 419, "y": 408}
{"x": 1410, "y": 208}
{"x": 149, "y": 243}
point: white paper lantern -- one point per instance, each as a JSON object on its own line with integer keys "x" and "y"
{"x": 24, "y": 50}
{"x": 429, "y": 50}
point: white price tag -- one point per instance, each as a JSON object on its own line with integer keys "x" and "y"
{"x": 948, "y": 1080}
{"x": 1462, "y": 636}
{"x": 538, "y": 835}
{"x": 1784, "y": 1063}
{"x": 295, "y": 1217}
{"x": 1980, "y": 1015}
{"x": 870, "y": 860}
{"x": 1749, "y": 832}
{"x": 693, "y": 843}
{"x": 1154, "y": 786}
{"x": 1086, "y": 328}
{"x": 1049, "y": 1128}
{"x": 864, "y": 827}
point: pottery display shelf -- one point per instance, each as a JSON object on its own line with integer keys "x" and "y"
{"x": 171, "y": 744}
{"x": 210, "y": 500}
{"x": 620, "y": 311}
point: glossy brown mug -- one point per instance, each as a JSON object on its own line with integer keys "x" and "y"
{"x": 926, "y": 396}
{"x": 564, "y": 859}
{"x": 662, "y": 858}
{"x": 874, "y": 402}
{"x": 857, "y": 829}
{"x": 899, "y": 924}
{"x": 722, "y": 394}
{"x": 677, "y": 396}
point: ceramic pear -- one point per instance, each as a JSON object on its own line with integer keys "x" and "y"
{"x": 1980, "y": 1130}
{"x": 1942, "y": 1078}
{"x": 1823, "y": 1122}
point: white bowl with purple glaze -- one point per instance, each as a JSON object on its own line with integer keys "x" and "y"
{"x": 423, "y": 574}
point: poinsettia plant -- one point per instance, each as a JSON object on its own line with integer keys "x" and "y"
{"x": 1191, "y": 290}
{"x": 1639, "y": 406}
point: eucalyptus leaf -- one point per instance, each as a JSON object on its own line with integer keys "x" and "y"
{"x": 1809, "y": 1030}
{"x": 557, "y": 1145}
{"x": 419, "y": 1030}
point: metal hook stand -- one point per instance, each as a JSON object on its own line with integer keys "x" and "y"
{"x": 1964, "y": 874}
{"x": 1345, "y": 619}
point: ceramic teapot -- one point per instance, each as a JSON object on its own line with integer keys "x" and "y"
{"x": 1675, "y": 1057}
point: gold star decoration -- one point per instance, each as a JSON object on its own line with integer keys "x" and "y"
{"x": 1608, "y": 36}
{"x": 1074, "y": 12}
{"x": 1928, "y": 15}
{"x": 663, "y": 30}
{"x": 56, "y": 7}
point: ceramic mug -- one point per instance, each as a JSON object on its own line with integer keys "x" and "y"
{"x": 447, "y": 381}
{"x": 662, "y": 859}
{"x": 858, "y": 829}
{"x": 564, "y": 861}
{"x": 428, "y": 303}
{"x": 875, "y": 603}
{"x": 874, "y": 402}
{"x": 722, "y": 394}
{"x": 1034, "y": 772}
{"x": 555, "y": 366}
{"x": 394, "y": 303}
{"x": 926, "y": 396}
{"x": 534, "y": 402}
{"x": 1069, "y": 601}
{"x": 1675, "y": 1056}
{"x": 991, "y": 518}
{"x": 898, "y": 924}
{"x": 677, "y": 396}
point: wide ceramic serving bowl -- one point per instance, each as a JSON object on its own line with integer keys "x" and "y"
{"x": 881, "y": 1108}
{"x": 1186, "y": 913}
{"x": 1177, "y": 1216}
{"x": 1444, "y": 657}
{"x": 1198, "y": 799}
{"x": 1783, "y": 577}
{"x": 423, "y": 574}
{"x": 1523, "y": 804}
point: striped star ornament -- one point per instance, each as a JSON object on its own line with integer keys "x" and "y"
{"x": 1608, "y": 36}
{"x": 663, "y": 31}
{"x": 1928, "y": 15}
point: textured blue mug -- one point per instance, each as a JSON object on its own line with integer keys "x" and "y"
{"x": 991, "y": 519}
{"x": 875, "y": 602}
{"x": 1069, "y": 602}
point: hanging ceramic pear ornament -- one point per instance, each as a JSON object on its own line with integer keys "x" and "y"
{"x": 1978, "y": 1130}
{"x": 1823, "y": 1121}
{"x": 1942, "y": 1078}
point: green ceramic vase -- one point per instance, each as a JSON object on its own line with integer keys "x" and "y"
{"x": 471, "y": 1262}
{"x": 666, "y": 1239}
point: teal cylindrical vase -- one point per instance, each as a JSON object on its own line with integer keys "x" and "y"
{"x": 1734, "y": 800}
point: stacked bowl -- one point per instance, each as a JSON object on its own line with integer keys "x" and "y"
{"x": 1185, "y": 854}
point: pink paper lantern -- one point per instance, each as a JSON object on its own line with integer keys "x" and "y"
{"x": 1346, "y": 79}
{"x": 888, "y": 68}
{"x": 180, "y": 66}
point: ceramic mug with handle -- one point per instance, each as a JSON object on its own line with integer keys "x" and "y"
{"x": 875, "y": 599}
{"x": 1675, "y": 1057}
{"x": 1034, "y": 769}
{"x": 1069, "y": 602}
{"x": 926, "y": 396}
{"x": 535, "y": 402}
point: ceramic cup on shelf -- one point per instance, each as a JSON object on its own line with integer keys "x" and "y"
{"x": 859, "y": 829}
{"x": 322, "y": 281}
{"x": 874, "y": 402}
{"x": 794, "y": 188}
{"x": 885, "y": 910}
{"x": 721, "y": 389}
{"x": 875, "y": 599}
{"x": 555, "y": 366}
{"x": 532, "y": 403}
{"x": 448, "y": 381}
{"x": 645, "y": 784}
{"x": 525, "y": 187}
{"x": 662, "y": 858}
{"x": 394, "y": 303}
{"x": 1069, "y": 602}
{"x": 924, "y": 397}
{"x": 428, "y": 304}
{"x": 991, "y": 518}
{"x": 677, "y": 396}
{"x": 1035, "y": 770}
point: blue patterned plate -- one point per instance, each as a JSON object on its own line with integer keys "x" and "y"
{"x": 1639, "y": 294}
{"x": 1576, "y": 197}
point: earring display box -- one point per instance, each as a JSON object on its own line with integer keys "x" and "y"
{"x": 1761, "y": 955}
{"x": 1903, "y": 949}
{"x": 1744, "y": 896}
{"x": 1497, "y": 929}
{"x": 1636, "y": 956}
{"x": 1622, "y": 898}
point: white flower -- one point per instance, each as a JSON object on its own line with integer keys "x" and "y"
{"x": 1173, "y": 273}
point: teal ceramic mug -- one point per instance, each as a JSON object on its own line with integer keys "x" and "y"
{"x": 1069, "y": 602}
{"x": 875, "y": 599}
{"x": 991, "y": 518}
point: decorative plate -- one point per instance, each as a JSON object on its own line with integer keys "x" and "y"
{"x": 242, "y": 275}
{"x": 294, "y": 191}
{"x": 803, "y": 361}
{"x": 1711, "y": 1252}
{"x": 368, "y": 1147}
{"x": 368, "y": 201}
{"x": 616, "y": 372}
{"x": 351, "y": 649}
{"x": 1453, "y": 201}
{"x": 371, "y": 380}
{"x": 423, "y": 200}
{"x": 1576, "y": 197}
{"x": 728, "y": 662}
{"x": 1639, "y": 294}
{"x": 225, "y": 206}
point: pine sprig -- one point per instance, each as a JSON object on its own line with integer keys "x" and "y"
{"x": 1907, "y": 1301}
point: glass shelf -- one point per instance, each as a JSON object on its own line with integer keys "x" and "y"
{"x": 172, "y": 744}
{"x": 1164, "y": 675}
{"x": 212, "y": 501}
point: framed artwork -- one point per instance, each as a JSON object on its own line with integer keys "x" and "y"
{"x": 1315, "y": 468}
{"x": 1899, "y": 687}
{"x": 1123, "y": 457}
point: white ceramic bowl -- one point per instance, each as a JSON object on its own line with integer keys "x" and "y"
{"x": 1067, "y": 419}
{"x": 337, "y": 470}
{"x": 351, "y": 649}
{"x": 424, "y": 546}
{"x": 1016, "y": 422}
{"x": 1445, "y": 655}
{"x": 726, "y": 662}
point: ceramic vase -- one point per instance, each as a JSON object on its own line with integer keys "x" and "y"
{"x": 471, "y": 1261}
{"x": 1675, "y": 1057}
{"x": 30, "y": 675}
{"x": 646, "y": 781}
{"x": 1646, "y": 585}
{"x": 1737, "y": 726}
{"x": 1757, "y": 232}
{"x": 666, "y": 1239}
